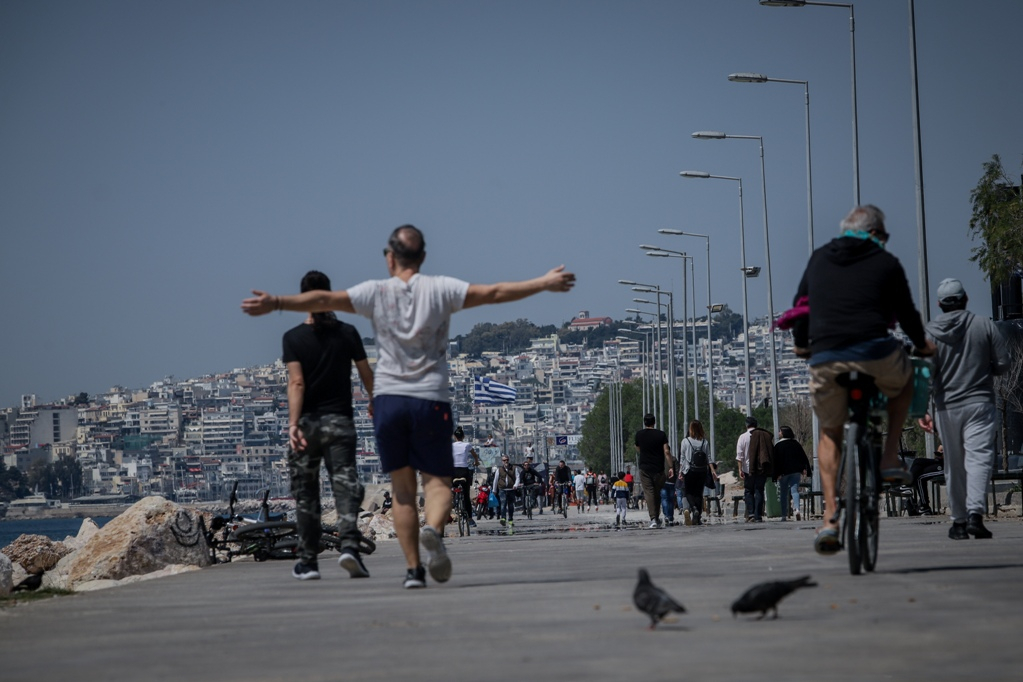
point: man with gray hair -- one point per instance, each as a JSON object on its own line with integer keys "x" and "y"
{"x": 856, "y": 289}
{"x": 971, "y": 350}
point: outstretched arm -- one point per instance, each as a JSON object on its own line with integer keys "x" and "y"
{"x": 309, "y": 302}
{"x": 505, "y": 292}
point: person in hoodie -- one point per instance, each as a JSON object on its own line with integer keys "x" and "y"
{"x": 971, "y": 350}
{"x": 855, "y": 290}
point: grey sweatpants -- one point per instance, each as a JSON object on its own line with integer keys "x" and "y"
{"x": 968, "y": 434}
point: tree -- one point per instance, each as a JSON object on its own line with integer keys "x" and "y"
{"x": 998, "y": 222}
{"x": 1009, "y": 387}
{"x": 727, "y": 325}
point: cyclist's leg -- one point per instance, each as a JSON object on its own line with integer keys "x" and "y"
{"x": 827, "y": 459}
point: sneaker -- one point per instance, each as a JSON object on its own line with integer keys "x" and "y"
{"x": 437, "y": 560}
{"x": 305, "y": 571}
{"x": 502, "y": 521}
{"x": 472, "y": 524}
{"x": 415, "y": 578}
{"x": 655, "y": 523}
{"x": 799, "y": 517}
{"x": 975, "y": 527}
{"x": 352, "y": 562}
{"x": 958, "y": 531}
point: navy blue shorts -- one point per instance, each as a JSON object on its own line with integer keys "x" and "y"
{"x": 413, "y": 432}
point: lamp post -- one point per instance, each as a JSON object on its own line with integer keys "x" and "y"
{"x": 672, "y": 393}
{"x": 761, "y": 78}
{"x": 743, "y": 269}
{"x": 659, "y": 252}
{"x": 656, "y": 397}
{"x": 852, "y": 44}
{"x": 710, "y": 342}
{"x": 713, "y": 135}
{"x": 643, "y": 359}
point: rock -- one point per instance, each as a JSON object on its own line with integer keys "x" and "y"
{"x": 93, "y": 585}
{"x": 151, "y": 535}
{"x": 18, "y": 574}
{"x": 36, "y": 553}
{"x": 85, "y": 533}
{"x": 6, "y": 575}
{"x": 378, "y": 527}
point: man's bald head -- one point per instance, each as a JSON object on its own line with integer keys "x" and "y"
{"x": 408, "y": 246}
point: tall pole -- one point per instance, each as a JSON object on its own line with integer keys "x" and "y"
{"x": 685, "y": 348}
{"x": 692, "y": 292}
{"x": 921, "y": 222}
{"x": 855, "y": 126}
{"x": 710, "y": 341}
{"x": 770, "y": 296}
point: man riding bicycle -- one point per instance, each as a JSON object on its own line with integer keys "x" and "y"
{"x": 562, "y": 478}
{"x": 530, "y": 480}
{"x": 856, "y": 290}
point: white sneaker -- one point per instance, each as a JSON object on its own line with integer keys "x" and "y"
{"x": 655, "y": 523}
{"x": 437, "y": 561}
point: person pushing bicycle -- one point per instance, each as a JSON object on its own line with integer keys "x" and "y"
{"x": 855, "y": 291}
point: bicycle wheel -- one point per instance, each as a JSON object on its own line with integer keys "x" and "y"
{"x": 259, "y": 539}
{"x": 870, "y": 512}
{"x": 527, "y": 504}
{"x": 851, "y": 474}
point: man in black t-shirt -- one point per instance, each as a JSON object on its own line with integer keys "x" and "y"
{"x": 655, "y": 465}
{"x": 319, "y": 354}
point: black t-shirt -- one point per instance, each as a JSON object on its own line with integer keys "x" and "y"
{"x": 563, "y": 474}
{"x": 326, "y": 356}
{"x": 651, "y": 444}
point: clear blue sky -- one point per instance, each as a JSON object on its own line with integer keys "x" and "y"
{"x": 160, "y": 159}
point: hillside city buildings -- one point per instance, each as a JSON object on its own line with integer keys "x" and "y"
{"x": 187, "y": 439}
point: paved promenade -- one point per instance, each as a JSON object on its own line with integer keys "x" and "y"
{"x": 554, "y": 601}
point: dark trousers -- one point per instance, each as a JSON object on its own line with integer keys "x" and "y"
{"x": 466, "y": 473}
{"x": 652, "y": 484}
{"x": 753, "y": 495}
{"x": 331, "y": 439}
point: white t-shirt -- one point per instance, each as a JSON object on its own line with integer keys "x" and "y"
{"x": 411, "y": 322}
{"x": 460, "y": 452}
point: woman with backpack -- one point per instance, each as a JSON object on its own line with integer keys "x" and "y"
{"x": 695, "y": 460}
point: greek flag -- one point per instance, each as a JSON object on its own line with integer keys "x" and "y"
{"x": 489, "y": 392}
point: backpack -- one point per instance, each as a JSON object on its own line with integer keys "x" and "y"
{"x": 699, "y": 460}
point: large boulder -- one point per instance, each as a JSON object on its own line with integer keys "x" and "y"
{"x": 151, "y": 535}
{"x": 6, "y": 575}
{"x": 36, "y": 553}
{"x": 85, "y": 533}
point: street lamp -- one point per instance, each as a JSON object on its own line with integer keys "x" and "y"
{"x": 714, "y": 135}
{"x": 657, "y": 251}
{"x": 672, "y": 394}
{"x": 761, "y": 78}
{"x": 710, "y": 343}
{"x": 644, "y": 354}
{"x": 656, "y": 395}
{"x": 852, "y": 43}
{"x": 742, "y": 252}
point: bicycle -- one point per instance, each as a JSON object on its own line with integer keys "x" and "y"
{"x": 859, "y": 485}
{"x": 462, "y": 515}
{"x": 564, "y": 491}
{"x": 859, "y": 481}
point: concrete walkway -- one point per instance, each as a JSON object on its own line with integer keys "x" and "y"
{"x": 554, "y": 601}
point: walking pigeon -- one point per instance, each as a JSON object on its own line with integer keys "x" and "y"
{"x": 765, "y": 596}
{"x": 653, "y": 601}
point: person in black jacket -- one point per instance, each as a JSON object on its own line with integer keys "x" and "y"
{"x": 790, "y": 465}
{"x": 856, "y": 290}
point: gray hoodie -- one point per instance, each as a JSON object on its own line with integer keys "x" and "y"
{"x": 971, "y": 350}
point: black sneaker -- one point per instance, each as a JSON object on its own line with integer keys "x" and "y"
{"x": 415, "y": 578}
{"x": 958, "y": 531}
{"x": 975, "y": 527}
{"x": 305, "y": 571}
{"x": 352, "y": 562}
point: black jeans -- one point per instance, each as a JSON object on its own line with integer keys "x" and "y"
{"x": 753, "y": 495}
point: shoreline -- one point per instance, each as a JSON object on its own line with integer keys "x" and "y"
{"x": 75, "y": 512}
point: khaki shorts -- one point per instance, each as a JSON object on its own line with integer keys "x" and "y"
{"x": 830, "y": 401}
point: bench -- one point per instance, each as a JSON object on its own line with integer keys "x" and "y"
{"x": 1016, "y": 476}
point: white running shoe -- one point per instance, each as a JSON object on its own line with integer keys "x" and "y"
{"x": 437, "y": 561}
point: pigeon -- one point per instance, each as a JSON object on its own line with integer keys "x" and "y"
{"x": 652, "y": 600}
{"x": 29, "y": 584}
{"x": 765, "y": 596}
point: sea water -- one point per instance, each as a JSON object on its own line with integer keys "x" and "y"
{"x": 55, "y": 529}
